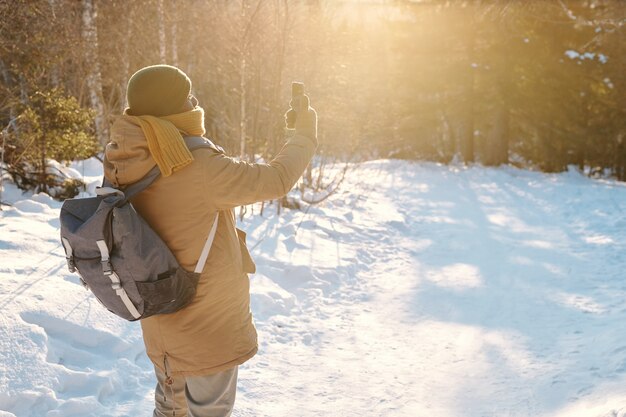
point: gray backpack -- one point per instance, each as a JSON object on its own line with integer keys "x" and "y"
{"x": 120, "y": 258}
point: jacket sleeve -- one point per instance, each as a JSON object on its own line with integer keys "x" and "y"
{"x": 230, "y": 183}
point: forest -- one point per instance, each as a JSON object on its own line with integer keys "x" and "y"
{"x": 536, "y": 84}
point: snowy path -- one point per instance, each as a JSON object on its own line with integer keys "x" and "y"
{"x": 419, "y": 291}
{"x": 474, "y": 293}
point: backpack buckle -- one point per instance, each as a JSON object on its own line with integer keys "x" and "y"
{"x": 69, "y": 254}
{"x": 107, "y": 268}
{"x": 70, "y": 264}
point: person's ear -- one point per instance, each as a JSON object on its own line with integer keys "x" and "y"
{"x": 190, "y": 104}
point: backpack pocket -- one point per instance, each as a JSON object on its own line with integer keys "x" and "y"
{"x": 171, "y": 292}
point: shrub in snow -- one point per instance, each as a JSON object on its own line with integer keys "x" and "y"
{"x": 50, "y": 125}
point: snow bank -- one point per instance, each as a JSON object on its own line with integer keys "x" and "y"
{"x": 417, "y": 289}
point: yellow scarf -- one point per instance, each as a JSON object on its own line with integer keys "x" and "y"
{"x": 165, "y": 140}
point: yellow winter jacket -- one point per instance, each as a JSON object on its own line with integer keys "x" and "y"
{"x": 216, "y": 331}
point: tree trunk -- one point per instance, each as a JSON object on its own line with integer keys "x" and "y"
{"x": 497, "y": 152}
{"x": 9, "y": 83}
{"x": 43, "y": 183}
{"x": 278, "y": 126}
{"x": 242, "y": 108}
{"x": 2, "y": 135}
{"x": 618, "y": 160}
{"x": 256, "y": 134}
{"x": 162, "y": 49}
{"x": 580, "y": 153}
{"x": 242, "y": 84}
{"x": 466, "y": 139}
{"x": 498, "y": 147}
{"x": 94, "y": 78}
{"x": 125, "y": 58}
{"x": 173, "y": 37}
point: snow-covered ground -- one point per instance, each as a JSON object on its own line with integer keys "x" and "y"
{"x": 417, "y": 290}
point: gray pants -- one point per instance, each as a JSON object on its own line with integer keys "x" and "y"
{"x": 196, "y": 396}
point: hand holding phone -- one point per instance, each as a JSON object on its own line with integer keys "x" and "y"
{"x": 297, "y": 98}
{"x": 301, "y": 118}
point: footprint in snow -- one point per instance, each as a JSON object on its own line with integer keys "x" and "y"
{"x": 76, "y": 347}
{"x": 291, "y": 244}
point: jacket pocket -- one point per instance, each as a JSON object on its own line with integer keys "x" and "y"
{"x": 169, "y": 293}
{"x": 246, "y": 260}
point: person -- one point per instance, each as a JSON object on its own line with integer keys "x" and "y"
{"x": 196, "y": 351}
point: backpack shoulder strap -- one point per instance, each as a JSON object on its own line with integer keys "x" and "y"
{"x": 192, "y": 142}
{"x": 137, "y": 187}
{"x": 196, "y": 142}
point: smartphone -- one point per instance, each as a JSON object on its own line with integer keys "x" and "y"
{"x": 297, "y": 91}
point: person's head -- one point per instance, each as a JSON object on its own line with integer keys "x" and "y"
{"x": 159, "y": 90}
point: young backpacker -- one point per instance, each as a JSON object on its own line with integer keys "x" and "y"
{"x": 120, "y": 258}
